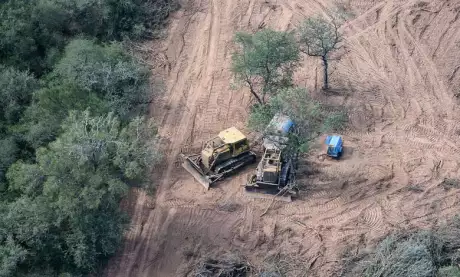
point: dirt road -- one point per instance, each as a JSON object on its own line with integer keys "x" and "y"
{"x": 398, "y": 78}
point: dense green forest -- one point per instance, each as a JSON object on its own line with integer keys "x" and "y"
{"x": 73, "y": 135}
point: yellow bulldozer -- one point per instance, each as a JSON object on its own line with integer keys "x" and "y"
{"x": 220, "y": 157}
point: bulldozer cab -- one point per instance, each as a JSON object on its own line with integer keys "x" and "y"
{"x": 237, "y": 141}
{"x": 228, "y": 144}
{"x": 270, "y": 166}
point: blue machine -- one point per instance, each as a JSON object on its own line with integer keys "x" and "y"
{"x": 276, "y": 133}
{"x": 334, "y": 146}
{"x": 280, "y": 124}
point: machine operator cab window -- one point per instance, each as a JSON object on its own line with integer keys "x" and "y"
{"x": 240, "y": 145}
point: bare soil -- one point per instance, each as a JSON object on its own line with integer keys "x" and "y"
{"x": 397, "y": 76}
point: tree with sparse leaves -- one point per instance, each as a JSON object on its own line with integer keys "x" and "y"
{"x": 318, "y": 37}
{"x": 265, "y": 61}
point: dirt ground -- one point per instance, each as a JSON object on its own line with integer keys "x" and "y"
{"x": 398, "y": 78}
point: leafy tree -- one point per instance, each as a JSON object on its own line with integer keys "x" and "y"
{"x": 448, "y": 271}
{"x": 16, "y": 90}
{"x": 89, "y": 76}
{"x": 33, "y": 33}
{"x": 29, "y": 183}
{"x": 9, "y": 152}
{"x": 134, "y": 19}
{"x": 11, "y": 254}
{"x": 265, "y": 61}
{"x": 107, "y": 71}
{"x": 30, "y": 33}
{"x": 318, "y": 38}
{"x": 51, "y": 106}
{"x": 68, "y": 216}
{"x": 62, "y": 176}
{"x": 311, "y": 118}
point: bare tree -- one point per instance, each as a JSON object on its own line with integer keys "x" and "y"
{"x": 318, "y": 38}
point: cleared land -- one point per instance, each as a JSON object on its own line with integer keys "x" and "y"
{"x": 398, "y": 77}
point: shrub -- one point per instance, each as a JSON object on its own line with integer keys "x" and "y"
{"x": 417, "y": 255}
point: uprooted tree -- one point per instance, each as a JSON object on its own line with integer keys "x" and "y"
{"x": 411, "y": 253}
{"x": 265, "y": 61}
{"x": 318, "y": 37}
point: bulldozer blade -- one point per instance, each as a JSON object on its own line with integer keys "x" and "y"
{"x": 202, "y": 179}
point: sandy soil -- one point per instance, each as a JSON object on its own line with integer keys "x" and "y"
{"x": 398, "y": 78}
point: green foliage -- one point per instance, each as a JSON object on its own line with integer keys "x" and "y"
{"x": 32, "y": 33}
{"x": 26, "y": 179}
{"x": 449, "y": 234}
{"x": 68, "y": 217}
{"x": 311, "y": 118}
{"x": 89, "y": 76}
{"x": 334, "y": 121}
{"x": 62, "y": 171}
{"x": 16, "y": 90}
{"x": 8, "y": 154}
{"x": 260, "y": 116}
{"x": 108, "y": 72}
{"x": 129, "y": 150}
{"x": 11, "y": 254}
{"x": 265, "y": 61}
{"x": 448, "y": 271}
{"x": 51, "y": 106}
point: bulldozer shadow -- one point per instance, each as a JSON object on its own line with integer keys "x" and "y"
{"x": 347, "y": 152}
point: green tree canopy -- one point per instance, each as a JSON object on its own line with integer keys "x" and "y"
{"x": 32, "y": 33}
{"x": 115, "y": 77}
{"x": 66, "y": 216}
{"x": 265, "y": 61}
{"x": 71, "y": 141}
{"x": 89, "y": 76}
{"x": 16, "y": 90}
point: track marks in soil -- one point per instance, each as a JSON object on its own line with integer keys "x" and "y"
{"x": 399, "y": 74}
